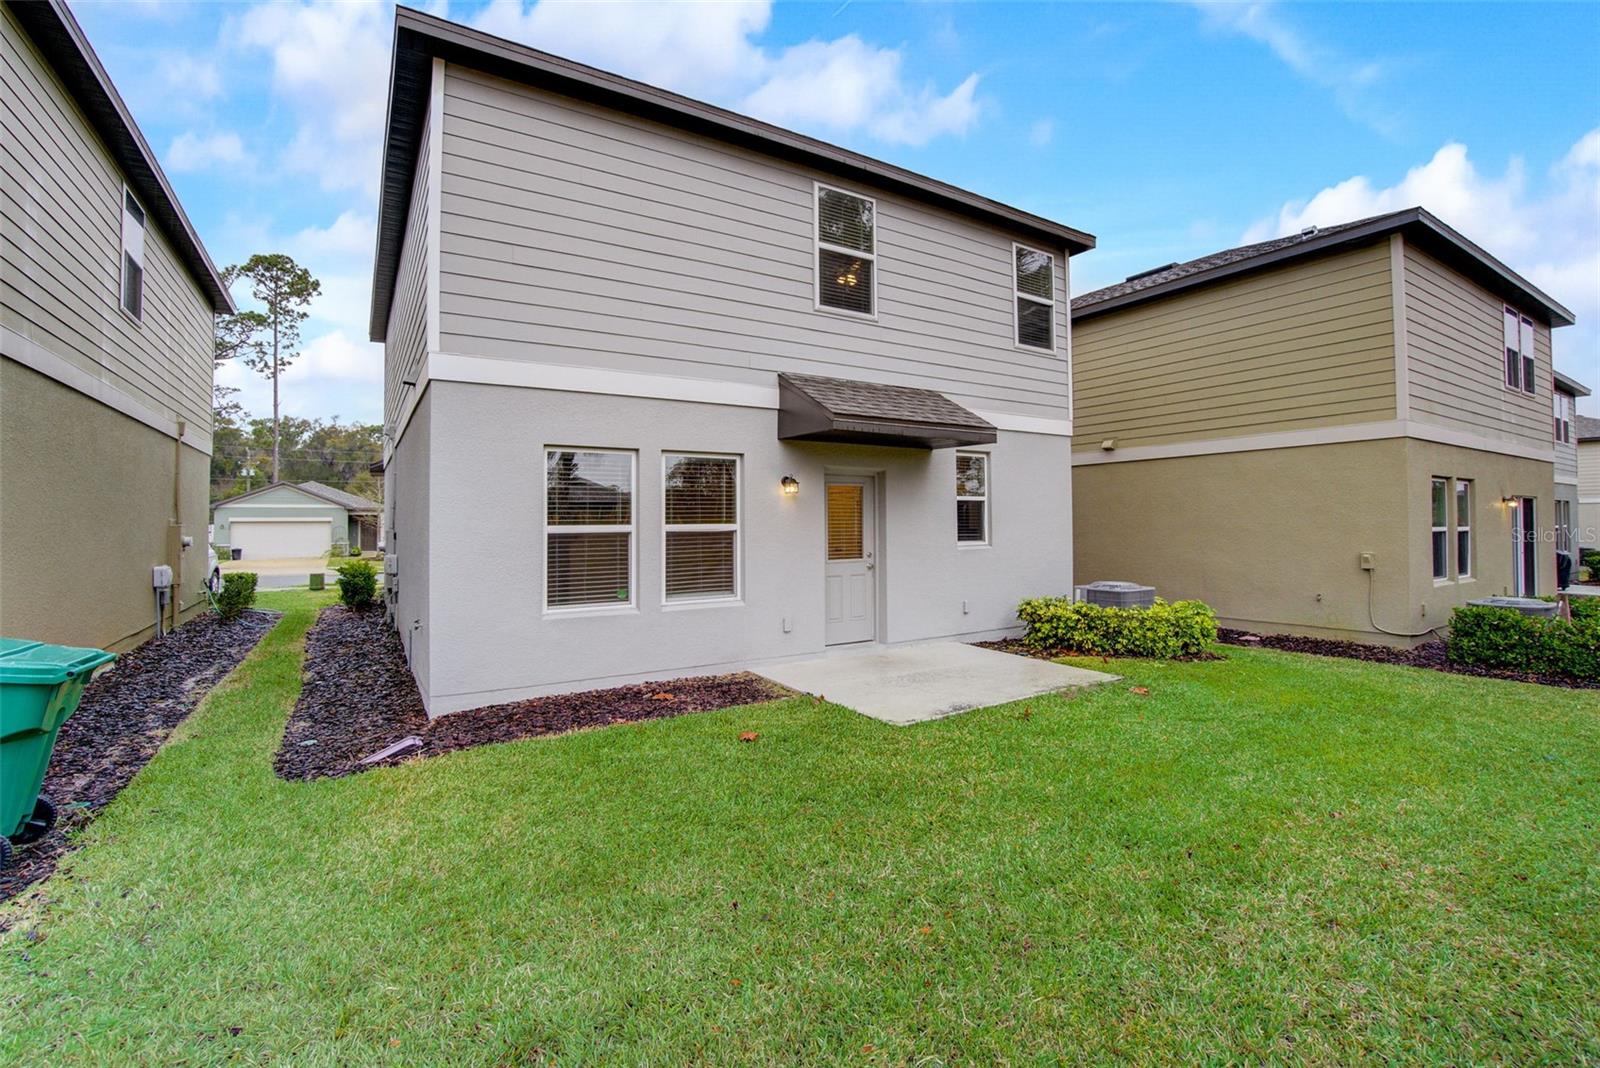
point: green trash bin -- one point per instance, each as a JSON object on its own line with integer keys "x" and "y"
{"x": 40, "y": 686}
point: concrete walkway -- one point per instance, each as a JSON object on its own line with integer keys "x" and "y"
{"x": 915, "y": 683}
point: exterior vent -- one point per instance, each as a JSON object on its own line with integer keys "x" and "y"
{"x": 1308, "y": 232}
{"x": 1151, "y": 271}
{"x": 1118, "y": 594}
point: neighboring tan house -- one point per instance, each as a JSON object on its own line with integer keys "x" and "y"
{"x": 1565, "y": 525}
{"x": 670, "y": 390}
{"x": 1586, "y": 429}
{"x": 293, "y": 520}
{"x": 1345, "y": 432}
{"x": 106, "y": 306}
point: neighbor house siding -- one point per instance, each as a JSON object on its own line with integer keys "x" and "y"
{"x": 406, "y": 340}
{"x": 61, "y": 252}
{"x": 574, "y": 235}
{"x": 1566, "y": 452}
{"x": 1309, "y": 344}
{"x": 1455, "y": 343}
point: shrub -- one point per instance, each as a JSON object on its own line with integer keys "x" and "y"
{"x": 1183, "y": 628}
{"x": 238, "y": 593}
{"x": 1590, "y": 558}
{"x": 1507, "y": 640}
{"x": 355, "y": 550}
{"x": 358, "y": 584}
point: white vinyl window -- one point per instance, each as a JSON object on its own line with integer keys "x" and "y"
{"x": 1033, "y": 285}
{"x": 1463, "y": 528}
{"x": 1519, "y": 334}
{"x": 700, "y": 520}
{"x": 972, "y": 498}
{"x": 589, "y": 517}
{"x": 1563, "y": 526}
{"x": 847, "y": 252}
{"x": 133, "y": 223}
{"x": 1563, "y": 418}
{"x": 1441, "y": 528}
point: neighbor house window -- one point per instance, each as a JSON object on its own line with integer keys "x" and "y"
{"x": 588, "y": 528}
{"x": 1519, "y": 351}
{"x": 847, "y": 251}
{"x": 132, "y": 256}
{"x": 1034, "y": 290}
{"x": 1563, "y": 526}
{"x": 1463, "y": 529}
{"x": 1441, "y": 528}
{"x": 972, "y": 498}
{"x": 1563, "y": 417}
{"x": 701, "y": 516}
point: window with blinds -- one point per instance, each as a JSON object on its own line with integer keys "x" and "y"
{"x": 700, "y": 510}
{"x": 845, "y": 534}
{"x": 972, "y": 498}
{"x": 1519, "y": 352}
{"x": 1034, "y": 289}
{"x": 132, "y": 256}
{"x": 847, "y": 252}
{"x": 588, "y": 528}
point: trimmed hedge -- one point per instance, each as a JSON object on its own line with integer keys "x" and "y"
{"x": 358, "y": 583}
{"x": 1182, "y": 628}
{"x": 238, "y": 593}
{"x": 1505, "y": 639}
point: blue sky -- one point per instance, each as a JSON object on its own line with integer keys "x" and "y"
{"x": 1168, "y": 130}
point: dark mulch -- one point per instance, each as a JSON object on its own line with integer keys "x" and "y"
{"x": 1432, "y": 655}
{"x": 125, "y": 715}
{"x": 359, "y": 697}
{"x": 1021, "y": 648}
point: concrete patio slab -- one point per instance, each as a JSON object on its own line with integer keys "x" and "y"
{"x": 915, "y": 683}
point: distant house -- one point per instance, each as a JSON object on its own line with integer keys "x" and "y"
{"x": 1586, "y": 431}
{"x": 724, "y": 393}
{"x": 295, "y": 520}
{"x": 1565, "y": 433}
{"x": 1343, "y": 432}
{"x": 106, "y": 305}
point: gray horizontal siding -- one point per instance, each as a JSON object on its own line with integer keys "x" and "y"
{"x": 573, "y": 235}
{"x": 61, "y": 253}
{"x": 1567, "y": 462}
{"x": 406, "y": 340}
{"x": 1455, "y": 344}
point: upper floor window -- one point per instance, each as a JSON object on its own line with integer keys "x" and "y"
{"x": 132, "y": 256}
{"x": 1519, "y": 352}
{"x": 1034, "y": 289}
{"x": 1563, "y": 405}
{"x": 847, "y": 252}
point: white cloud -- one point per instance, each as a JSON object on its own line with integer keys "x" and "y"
{"x": 1041, "y": 133}
{"x": 190, "y": 151}
{"x": 353, "y": 234}
{"x": 1550, "y": 234}
{"x": 709, "y": 50}
{"x": 1352, "y": 81}
{"x": 196, "y": 79}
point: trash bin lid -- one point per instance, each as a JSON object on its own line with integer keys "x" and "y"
{"x": 26, "y": 662}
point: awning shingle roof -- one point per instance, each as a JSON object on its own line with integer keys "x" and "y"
{"x": 815, "y": 408}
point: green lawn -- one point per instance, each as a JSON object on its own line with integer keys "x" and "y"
{"x": 1273, "y": 857}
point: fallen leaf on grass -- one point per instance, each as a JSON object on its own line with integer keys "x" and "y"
{"x": 926, "y": 930}
{"x": 748, "y": 736}
{"x": 1142, "y": 691}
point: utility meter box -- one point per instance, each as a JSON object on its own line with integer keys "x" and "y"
{"x": 161, "y": 577}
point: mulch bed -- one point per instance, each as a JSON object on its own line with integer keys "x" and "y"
{"x": 125, "y": 715}
{"x": 1019, "y": 647}
{"x": 1432, "y": 655}
{"x": 359, "y": 697}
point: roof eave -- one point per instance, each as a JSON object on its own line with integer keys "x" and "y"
{"x": 420, "y": 37}
{"x": 1568, "y": 384}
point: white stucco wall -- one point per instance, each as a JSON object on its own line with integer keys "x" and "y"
{"x": 485, "y": 638}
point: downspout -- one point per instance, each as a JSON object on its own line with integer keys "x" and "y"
{"x": 175, "y": 538}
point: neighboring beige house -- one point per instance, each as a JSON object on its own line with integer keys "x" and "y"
{"x": 106, "y": 306}
{"x": 1567, "y": 506}
{"x": 1345, "y": 432}
{"x": 1586, "y": 430}
{"x": 707, "y": 392}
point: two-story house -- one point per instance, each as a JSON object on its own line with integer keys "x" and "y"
{"x": 670, "y": 390}
{"x": 106, "y": 305}
{"x": 1565, "y": 434}
{"x": 1345, "y": 432}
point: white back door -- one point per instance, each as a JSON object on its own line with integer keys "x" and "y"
{"x": 851, "y": 571}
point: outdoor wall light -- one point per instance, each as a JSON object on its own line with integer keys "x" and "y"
{"x": 791, "y": 486}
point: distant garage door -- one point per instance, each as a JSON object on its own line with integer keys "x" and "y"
{"x": 268, "y": 539}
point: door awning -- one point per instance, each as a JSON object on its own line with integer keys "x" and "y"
{"x": 814, "y": 408}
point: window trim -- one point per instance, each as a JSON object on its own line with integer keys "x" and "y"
{"x": 1527, "y": 365}
{"x": 737, "y": 526}
{"x": 986, "y": 497}
{"x": 122, "y": 255}
{"x": 631, "y": 606}
{"x": 1017, "y": 294}
{"x": 1463, "y": 573}
{"x": 1441, "y": 485}
{"x": 818, "y": 245}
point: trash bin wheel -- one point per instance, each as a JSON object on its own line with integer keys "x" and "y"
{"x": 5, "y": 852}
{"x": 37, "y": 825}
